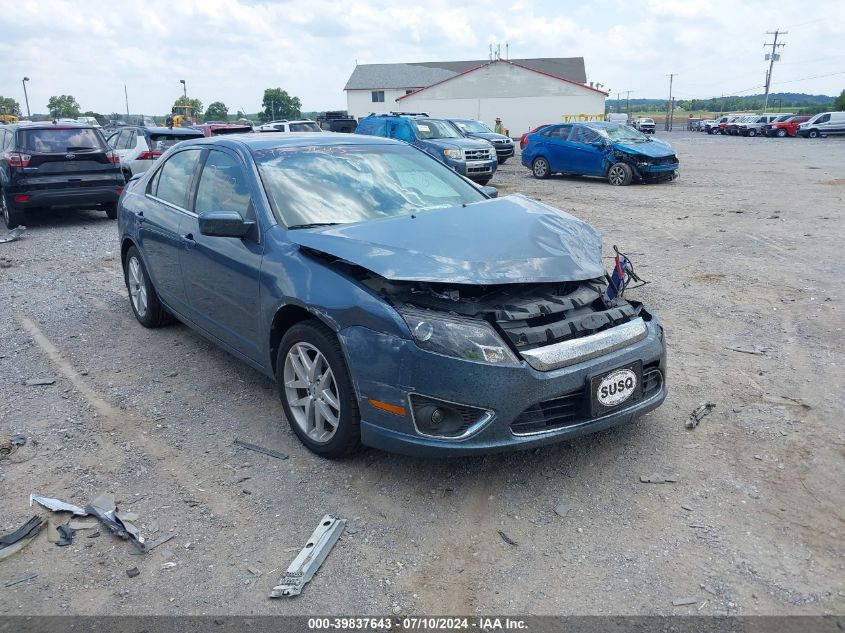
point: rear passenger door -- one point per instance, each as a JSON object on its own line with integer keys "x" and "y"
{"x": 221, "y": 274}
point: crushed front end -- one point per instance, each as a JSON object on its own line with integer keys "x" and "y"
{"x": 499, "y": 367}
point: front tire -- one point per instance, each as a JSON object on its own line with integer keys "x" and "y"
{"x": 752, "y": 132}
{"x": 316, "y": 391}
{"x": 540, "y": 168}
{"x": 813, "y": 134}
{"x": 142, "y": 296}
{"x": 11, "y": 217}
{"x": 483, "y": 182}
{"x": 620, "y": 174}
{"x": 781, "y": 133}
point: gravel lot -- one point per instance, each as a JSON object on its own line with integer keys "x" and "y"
{"x": 744, "y": 250}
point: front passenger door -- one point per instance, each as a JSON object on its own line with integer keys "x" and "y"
{"x": 221, "y": 274}
{"x": 583, "y": 156}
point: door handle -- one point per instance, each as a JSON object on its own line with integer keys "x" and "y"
{"x": 188, "y": 240}
{"x": 141, "y": 218}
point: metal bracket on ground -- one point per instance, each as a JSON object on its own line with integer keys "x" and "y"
{"x": 308, "y": 561}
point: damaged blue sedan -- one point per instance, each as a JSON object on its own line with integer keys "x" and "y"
{"x": 599, "y": 148}
{"x": 395, "y": 303}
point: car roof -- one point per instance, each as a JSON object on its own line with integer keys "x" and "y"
{"x": 48, "y": 125}
{"x": 175, "y": 131}
{"x": 270, "y": 140}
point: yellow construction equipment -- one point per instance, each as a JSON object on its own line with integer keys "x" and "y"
{"x": 181, "y": 116}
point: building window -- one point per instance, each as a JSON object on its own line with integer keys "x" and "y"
{"x": 378, "y": 96}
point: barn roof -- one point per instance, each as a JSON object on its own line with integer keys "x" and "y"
{"x": 422, "y": 74}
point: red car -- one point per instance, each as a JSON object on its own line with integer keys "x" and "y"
{"x": 216, "y": 129}
{"x": 524, "y": 139}
{"x": 789, "y": 127}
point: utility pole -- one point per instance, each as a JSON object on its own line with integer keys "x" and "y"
{"x": 26, "y": 98}
{"x": 126, "y": 95}
{"x": 669, "y": 104}
{"x": 772, "y": 57}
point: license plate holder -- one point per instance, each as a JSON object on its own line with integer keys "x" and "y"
{"x": 603, "y": 403}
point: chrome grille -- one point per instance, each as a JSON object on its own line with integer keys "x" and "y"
{"x": 478, "y": 154}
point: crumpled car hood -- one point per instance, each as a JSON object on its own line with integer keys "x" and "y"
{"x": 653, "y": 148}
{"x": 506, "y": 240}
{"x": 457, "y": 143}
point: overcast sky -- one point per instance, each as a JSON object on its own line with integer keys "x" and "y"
{"x": 230, "y": 50}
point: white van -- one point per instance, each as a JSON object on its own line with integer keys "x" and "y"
{"x": 617, "y": 117}
{"x": 823, "y": 124}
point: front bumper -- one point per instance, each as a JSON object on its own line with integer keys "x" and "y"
{"x": 474, "y": 169}
{"x": 389, "y": 369}
{"x": 74, "y": 197}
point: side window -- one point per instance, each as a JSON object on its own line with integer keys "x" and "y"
{"x": 823, "y": 119}
{"x": 223, "y": 186}
{"x": 376, "y": 127}
{"x": 4, "y": 140}
{"x": 559, "y": 132}
{"x": 378, "y": 96}
{"x": 401, "y": 130}
{"x": 112, "y": 140}
{"x": 122, "y": 141}
{"x": 174, "y": 178}
{"x": 131, "y": 140}
{"x": 582, "y": 134}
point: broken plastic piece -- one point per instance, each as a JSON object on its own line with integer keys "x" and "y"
{"x": 507, "y": 539}
{"x": 308, "y": 561}
{"x": 12, "y": 235}
{"x": 65, "y": 535}
{"x": 260, "y": 449}
{"x": 56, "y": 506}
{"x": 20, "y": 538}
{"x": 103, "y": 507}
{"x": 698, "y": 413}
{"x": 16, "y": 580}
{"x": 658, "y": 479}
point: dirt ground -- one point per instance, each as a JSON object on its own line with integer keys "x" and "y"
{"x": 743, "y": 251}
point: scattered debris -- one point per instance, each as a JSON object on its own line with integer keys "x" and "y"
{"x": 658, "y": 479}
{"x": 148, "y": 547}
{"x": 65, "y": 535}
{"x": 103, "y": 507}
{"x": 56, "y": 506}
{"x": 82, "y": 524}
{"x": 20, "y": 538}
{"x": 260, "y": 449}
{"x": 18, "y": 440}
{"x": 698, "y": 413}
{"x": 12, "y": 235}
{"x": 168, "y": 565}
{"x": 133, "y": 572}
{"x": 308, "y": 561}
{"x": 16, "y": 580}
{"x": 94, "y": 534}
{"x": 562, "y": 509}
{"x": 507, "y": 539}
{"x": 39, "y": 382}
{"x": 680, "y": 602}
{"x": 756, "y": 351}
{"x": 686, "y": 507}
{"x": 255, "y": 572}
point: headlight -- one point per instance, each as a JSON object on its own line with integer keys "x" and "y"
{"x": 453, "y": 153}
{"x": 467, "y": 339}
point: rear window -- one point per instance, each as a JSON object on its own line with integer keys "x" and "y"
{"x": 230, "y": 130}
{"x": 61, "y": 140}
{"x": 304, "y": 127}
{"x": 163, "y": 142}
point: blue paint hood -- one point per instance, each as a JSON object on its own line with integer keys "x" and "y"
{"x": 653, "y": 148}
{"x": 506, "y": 240}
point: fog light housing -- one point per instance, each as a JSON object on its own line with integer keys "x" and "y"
{"x": 439, "y": 418}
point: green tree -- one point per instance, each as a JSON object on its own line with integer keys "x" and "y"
{"x": 63, "y": 106}
{"x": 9, "y": 106}
{"x": 278, "y": 104}
{"x": 839, "y": 104}
{"x": 217, "y": 111}
{"x": 196, "y": 105}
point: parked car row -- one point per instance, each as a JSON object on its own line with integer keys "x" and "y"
{"x": 775, "y": 125}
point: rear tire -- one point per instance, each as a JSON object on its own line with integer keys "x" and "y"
{"x": 322, "y": 387}
{"x": 142, "y": 295}
{"x": 111, "y": 211}
{"x": 11, "y": 217}
{"x": 620, "y": 174}
{"x": 540, "y": 168}
{"x": 781, "y": 133}
{"x": 502, "y": 161}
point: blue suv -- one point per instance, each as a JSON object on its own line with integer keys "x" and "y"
{"x": 473, "y": 158}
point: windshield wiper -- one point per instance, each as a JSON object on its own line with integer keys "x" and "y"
{"x": 312, "y": 225}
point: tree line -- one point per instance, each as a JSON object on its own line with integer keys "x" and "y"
{"x": 276, "y": 104}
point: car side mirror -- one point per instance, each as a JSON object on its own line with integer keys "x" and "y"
{"x": 490, "y": 192}
{"x": 223, "y": 224}
{"x": 599, "y": 143}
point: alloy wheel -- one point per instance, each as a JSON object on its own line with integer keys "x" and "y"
{"x": 137, "y": 286}
{"x": 312, "y": 392}
{"x": 541, "y": 167}
{"x": 616, "y": 176}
